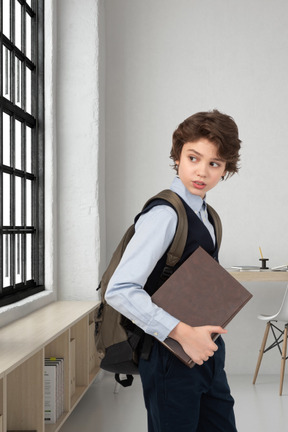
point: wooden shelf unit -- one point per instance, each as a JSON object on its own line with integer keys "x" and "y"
{"x": 62, "y": 329}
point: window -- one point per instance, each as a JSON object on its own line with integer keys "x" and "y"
{"x": 21, "y": 149}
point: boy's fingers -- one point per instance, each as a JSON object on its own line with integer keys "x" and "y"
{"x": 217, "y": 329}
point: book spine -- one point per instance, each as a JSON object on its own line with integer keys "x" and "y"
{"x": 53, "y": 389}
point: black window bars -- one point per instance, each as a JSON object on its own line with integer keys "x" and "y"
{"x": 21, "y": 149}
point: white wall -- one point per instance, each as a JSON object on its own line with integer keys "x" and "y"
{"x": 166, "y": 60}
{"x": 77, "y": 104}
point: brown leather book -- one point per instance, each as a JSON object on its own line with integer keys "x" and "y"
{"x": 200, "y": 292}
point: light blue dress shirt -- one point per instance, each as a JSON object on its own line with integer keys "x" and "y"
{"x": 154, "y": 232}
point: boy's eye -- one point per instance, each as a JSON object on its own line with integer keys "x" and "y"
{"x": 214, "y": 164}
{"x": 192, "y": 158}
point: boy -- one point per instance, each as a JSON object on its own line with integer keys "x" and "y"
{"x": 205, "y": 150}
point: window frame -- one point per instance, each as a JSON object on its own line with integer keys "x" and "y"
{"x": 35, "y": 121}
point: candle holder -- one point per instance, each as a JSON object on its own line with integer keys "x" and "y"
{"x": 263, "y": 263}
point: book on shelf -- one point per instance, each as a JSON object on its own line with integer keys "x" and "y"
{"x": 53, "y": 389}
{"x": 200, "y": 292}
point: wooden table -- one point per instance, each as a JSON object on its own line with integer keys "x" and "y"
{"x": 259, "y": 276}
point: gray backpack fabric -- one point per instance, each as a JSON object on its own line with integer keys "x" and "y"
{"x": 116, "y": 337}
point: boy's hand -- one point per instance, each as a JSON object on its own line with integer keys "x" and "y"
{"x": 197, "y": 341}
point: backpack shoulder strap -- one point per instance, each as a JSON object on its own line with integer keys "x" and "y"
{"x": 217, "y": 223}
{"x": 177, "y": 247}
{"x": 115, "y": 259}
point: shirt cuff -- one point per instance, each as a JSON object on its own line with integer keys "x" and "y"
{"x": 161, "y": 325}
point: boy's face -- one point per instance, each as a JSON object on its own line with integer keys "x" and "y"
{"x": 200, "y": 168}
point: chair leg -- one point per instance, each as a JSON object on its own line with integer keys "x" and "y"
{"x": 261, "y": 351}
{"x": 116, "y": 388}
{"x": 283, "y": 359}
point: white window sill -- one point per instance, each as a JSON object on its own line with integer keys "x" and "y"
{"x": 19, "y": 309}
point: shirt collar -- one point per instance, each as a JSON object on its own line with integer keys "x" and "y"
{"x": 193, "y": 201}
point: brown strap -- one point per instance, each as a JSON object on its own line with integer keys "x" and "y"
{"x": 177, "y": 247}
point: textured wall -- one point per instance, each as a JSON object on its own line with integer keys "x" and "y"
{"x": 77, "y": 106}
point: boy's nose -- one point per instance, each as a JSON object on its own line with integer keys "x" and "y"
{"x": 202, "y": 170}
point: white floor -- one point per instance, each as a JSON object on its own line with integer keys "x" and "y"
{"x": 258, "y": 408}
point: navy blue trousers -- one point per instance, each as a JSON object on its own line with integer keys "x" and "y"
{"x": 181, "y": 399}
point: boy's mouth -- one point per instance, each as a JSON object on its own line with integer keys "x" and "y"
{"x": 199, "y": 185}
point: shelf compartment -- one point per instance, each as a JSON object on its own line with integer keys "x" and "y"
{"x": 25, "y": 389}
{"x": 72, "y": 360}
{"x": 94, "y": 366}
{"x": 2, "y": 398}
{"x": 79, "y": 332}
{"x": 59, "y": 348}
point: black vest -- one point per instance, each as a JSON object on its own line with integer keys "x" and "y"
{"x": 198, "y": 235}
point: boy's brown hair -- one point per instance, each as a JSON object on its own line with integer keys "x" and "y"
{"x": 218, "y": 128}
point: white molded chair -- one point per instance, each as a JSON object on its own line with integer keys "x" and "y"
{"x": 280, "y": 336}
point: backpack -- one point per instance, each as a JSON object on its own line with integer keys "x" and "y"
{"x": 116, "y": 337}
